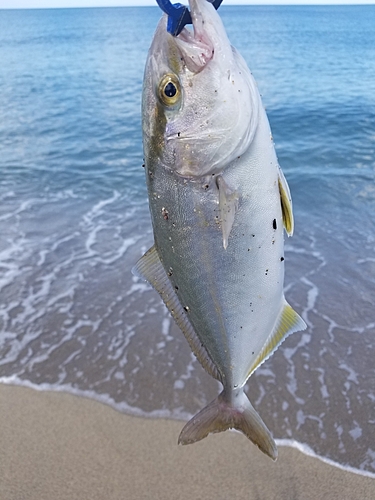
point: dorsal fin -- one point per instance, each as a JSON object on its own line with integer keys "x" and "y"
{"x": 286, "y": 204}
{"x": 288, "y": 322}
{"x": 150, "y": 268}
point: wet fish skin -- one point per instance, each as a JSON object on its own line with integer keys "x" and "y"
{"x": 218, "y": 203}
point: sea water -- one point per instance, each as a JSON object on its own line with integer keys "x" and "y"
{"x": 74, "y": 218}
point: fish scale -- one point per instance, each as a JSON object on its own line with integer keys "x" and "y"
{"x": 189, "y": 236}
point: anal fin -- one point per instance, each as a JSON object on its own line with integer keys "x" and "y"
{"x": 150, "y": 268}
{"x": 287, "y": 323}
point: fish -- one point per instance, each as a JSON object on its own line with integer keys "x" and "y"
{"x": 219, "y": 206}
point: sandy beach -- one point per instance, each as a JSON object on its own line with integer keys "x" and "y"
{"x": 61, "y": 447}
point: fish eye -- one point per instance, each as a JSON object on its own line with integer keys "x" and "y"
{"x": 169, "y": 89}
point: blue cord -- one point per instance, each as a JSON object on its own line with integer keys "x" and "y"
{"x": 179, "y": 15}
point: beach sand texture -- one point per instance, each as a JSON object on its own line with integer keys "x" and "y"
{"x": 55, "y": 446}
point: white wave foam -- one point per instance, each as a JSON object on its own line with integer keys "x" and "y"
{"x": 101, "y": 398}
{"x": 306, "y": 450}
{"x": 97, "y": 209}
{"x": 9, "y": 266}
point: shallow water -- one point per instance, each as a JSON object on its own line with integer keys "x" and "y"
{"x": 74, "y": 218}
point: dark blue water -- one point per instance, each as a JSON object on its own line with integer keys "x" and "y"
{"x": 74, "y": 217}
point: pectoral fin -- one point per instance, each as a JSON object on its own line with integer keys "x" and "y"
{"x": 286, "y": 204}
{"x": 228, "y": 201}
{"x": 150, "y": 268}
{"x": 287, "y": 323}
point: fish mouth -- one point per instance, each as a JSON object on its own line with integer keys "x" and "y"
{"x": 217, "y": 115}
{"x": 198, "y": 46}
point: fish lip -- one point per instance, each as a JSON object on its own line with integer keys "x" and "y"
{"x": 197, "y": 47}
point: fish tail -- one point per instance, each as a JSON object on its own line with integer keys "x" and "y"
{"x": 225, "y": 413}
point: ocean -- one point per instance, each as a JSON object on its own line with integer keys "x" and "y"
{"x": 74, "y": 219}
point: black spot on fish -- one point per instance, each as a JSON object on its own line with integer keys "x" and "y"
{"x": 274, "y": 224}
{"x": 282, "y": 259}
{"x": 176, "y": 287}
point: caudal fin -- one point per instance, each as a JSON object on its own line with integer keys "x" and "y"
{"x": 222, "y": 414}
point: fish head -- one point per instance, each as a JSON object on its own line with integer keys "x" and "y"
{"x": 200, "y": 101}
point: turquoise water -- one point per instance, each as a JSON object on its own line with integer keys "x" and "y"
{"x": 74, "y": 218}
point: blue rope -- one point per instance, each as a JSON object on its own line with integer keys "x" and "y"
{"x": 179, "y": 15}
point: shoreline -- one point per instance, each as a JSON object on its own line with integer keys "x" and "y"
{"x": 127, "y": 411}
{"x": 61, "y": 446}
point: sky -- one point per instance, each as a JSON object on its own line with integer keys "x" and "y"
{"x": 24, "y": 4}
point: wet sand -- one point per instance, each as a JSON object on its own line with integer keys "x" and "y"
{"x": 55, "y": 445}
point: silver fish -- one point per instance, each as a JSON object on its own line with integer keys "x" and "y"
{"x": 219, "y": 202}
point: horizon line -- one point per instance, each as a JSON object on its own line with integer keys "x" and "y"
{"x": 151, "y": 3}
